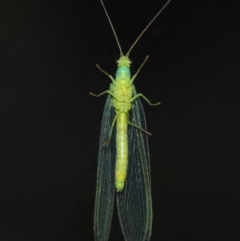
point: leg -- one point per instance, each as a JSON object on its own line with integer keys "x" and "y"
{"x": 104, "y": 92}
{"x": 138, "y": 127}
{"x": 111, "y": 129}
{"x": 135, "y": 75}
{"x": 110, "y": 76}
{"x": 145, "y": 98}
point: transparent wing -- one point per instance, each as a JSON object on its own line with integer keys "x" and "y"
{"x": 104, "y": 199}
{"x": 135, "y": 201}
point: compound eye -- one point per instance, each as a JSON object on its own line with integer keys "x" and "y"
{"x": 130, "y": 61}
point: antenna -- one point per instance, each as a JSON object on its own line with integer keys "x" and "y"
{"x": 114, "y": 32}
{"x": 144, "y": 30}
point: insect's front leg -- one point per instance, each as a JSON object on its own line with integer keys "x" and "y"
{"x": 106, "y": 73}
{"x": 135, "y": 75}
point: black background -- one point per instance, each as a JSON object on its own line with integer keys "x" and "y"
{"x": 50, "y": 125}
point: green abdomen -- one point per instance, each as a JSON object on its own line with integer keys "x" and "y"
{"x": 122, "y": 151}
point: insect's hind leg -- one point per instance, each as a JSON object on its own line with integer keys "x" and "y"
{"x": 141, "y": 129}
{"x": 111, "y": 129}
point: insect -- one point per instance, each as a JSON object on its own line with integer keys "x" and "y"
{"x": 123, "y": 158}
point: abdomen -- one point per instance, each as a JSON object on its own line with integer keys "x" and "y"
{"x": 122, "y": 151}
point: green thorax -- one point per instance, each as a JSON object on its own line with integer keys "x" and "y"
{"x": 123, "y": 71}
